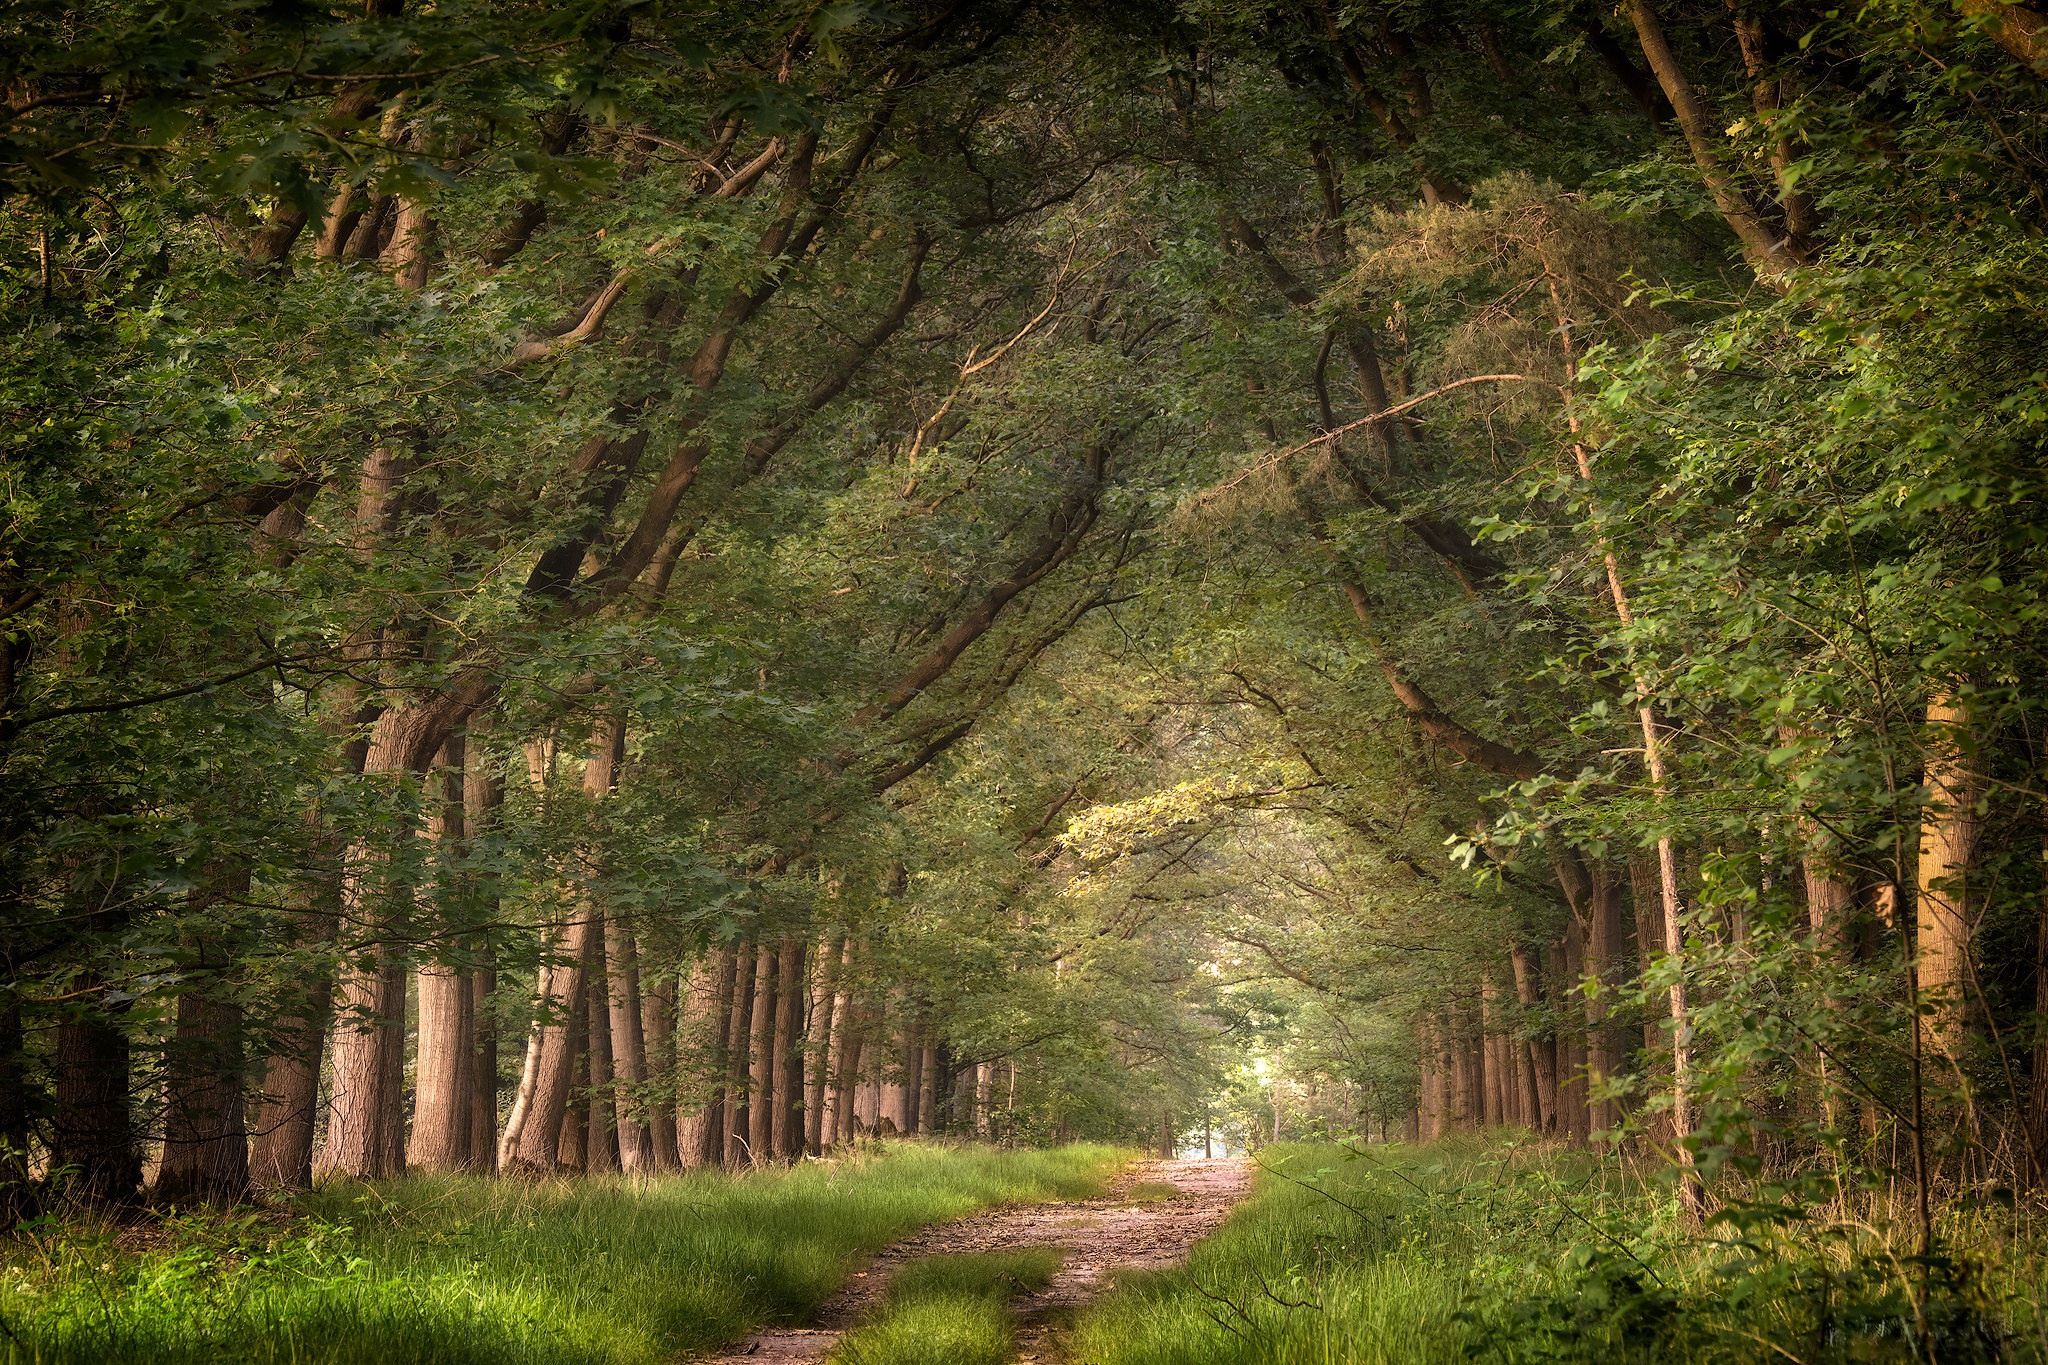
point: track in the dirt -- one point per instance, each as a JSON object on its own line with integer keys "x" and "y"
{"x": 1099, "y": 1237}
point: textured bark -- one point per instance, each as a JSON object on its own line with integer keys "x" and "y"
{"x": 704, "y": 1036}
{"x": 1950, "y": 833}
{"x": 483, "y": 1074}
{"x": 2019, "y": 29}
{"x": 444, "y": 1092}
{"x": 1567, "y": 965}
{"x": 281, "y": 1147}
{"x": 818, "y": 1028}
{"x": 1542, "y": 1061}
{"x": 761, "y": 1062}
{"x": 572, "y": 1148}
{"x": 93, "y": 1147}
{"x": 368, "y": 1045}
{"x": 791, "y": 990}
{"x": 739, "y": 1056}
{"x": 629, "y": 1070}
{"x": 533, "y": 1130}
{"x": 444, "y": 1067}
{"x": 841, "y": 1061}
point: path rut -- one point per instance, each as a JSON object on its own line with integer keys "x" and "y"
{"x": 1099, "y": 1236}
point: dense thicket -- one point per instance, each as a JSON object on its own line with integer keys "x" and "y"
{"x": 627, "y": 586}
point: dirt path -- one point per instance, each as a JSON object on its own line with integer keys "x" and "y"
{"x": 1099, "y": 1236}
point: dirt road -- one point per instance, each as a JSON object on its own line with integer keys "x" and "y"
{"x": 1100, "y": 1236}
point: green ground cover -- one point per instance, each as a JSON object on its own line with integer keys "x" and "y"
{"x": 1501, "y": 1253}
{"x": 950, "y": 1310}
{"x": 468, "y": 1271}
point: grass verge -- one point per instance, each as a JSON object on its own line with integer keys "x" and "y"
{"x": 1465, "y": 1251}
{"x": 471, "y": 1271}
{"x": 950, "y": 1310}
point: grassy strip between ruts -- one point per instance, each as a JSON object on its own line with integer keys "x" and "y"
{"x": 1463, "y": 1251}
{"x": 473, "y": 1271}
{"x": 950, "y": 1310}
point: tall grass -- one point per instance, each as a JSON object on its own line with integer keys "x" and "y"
{"x": 1463, "y": 1252}
{"x": 471, "y": 1271}
{"x": 950, "y": 1310}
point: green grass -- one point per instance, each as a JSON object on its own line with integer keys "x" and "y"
{"x": 949, "y": 1310}
{"x": 471, "y": 1271}
{"x": 1461, "y": 1251}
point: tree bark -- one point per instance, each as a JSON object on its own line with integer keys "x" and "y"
{"x": 659, "y": 1028}
{"x": 1767, "y": 252}
{"x": 739, "y": 1057}
{"x": 761, "y": 1062}
{"x": 93, "y": 1145}
{"x": 628, "y": 1051}
{"x": 1950, "y": 834}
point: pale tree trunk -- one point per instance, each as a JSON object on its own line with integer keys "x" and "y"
{"x": 739, "y": 1056}
{"x": 761, "y": 1062}
{"x": 1542, "y": 1063}
{"x": 628, "y": 1051}
{"x": 704, "y": 1039}
{"x": 533, "y": 1130}
{"x": 928, "y": 1081}
{"x": 1950, "y": 833}
{"x": 368, "y": 1045}
{"x": 791, "y": 990}
{"x": 444, "y": 1070}
{"x": 822, "y": 1020}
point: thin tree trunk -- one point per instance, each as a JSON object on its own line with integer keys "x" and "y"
{"x": 206, "y": 1145}
{"x": 1767, "y": 252}
{"x": 791, "y": 990}
{"x": 761, "y": 1062}
{"x": 601, "y": 1126}
{"x": 659, "y": 1027}
{"x": 92, "y": 1131}
{"x": 739, "y": 1056}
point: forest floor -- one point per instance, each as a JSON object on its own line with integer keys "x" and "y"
{"x": 1149, "y": 1219}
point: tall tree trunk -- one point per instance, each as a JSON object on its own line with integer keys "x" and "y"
{"x": 1950, "y": 833}
{"x": 658, "y": 1016}
{"x": 818, "y": 1035}
{"x": 572, "y": 1148}
{"x": 704, "y": 1035}
{"x": 483, "y": 799}
{"x": 444, "y": 1070}
{"x": 92, "y": 1130}
{"x": 1568, "y": 965}
{"x": 1542, "y": 1062}
{"x": 761, "y": 1062}
{"x": 533, "y": 1129}
{"x": 791, "y": 990}
{"x": 1767, "y": 252}
{"x": 629, "y": 1051}
{"x": 601, "y": 1146}
{"x": 739, "y": 1057}
{"x": 206, "y": 1143}
{"x": 281, "y": 1147}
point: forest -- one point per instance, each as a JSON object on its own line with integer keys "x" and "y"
{"x": 649, "y": 649}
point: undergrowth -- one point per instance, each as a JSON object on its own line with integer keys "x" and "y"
{"x": 457, "y": 1270}
{"x": 1526, "y": 1254}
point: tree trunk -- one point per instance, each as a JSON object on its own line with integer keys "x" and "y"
{"x": 1542, "y": 1061}
{"x": 533, "y": 1130}
{"x": 739, "y": 1057}
{"x": 206, "y": 1145}
{"x": 92, "y": 1132}
{"x": 791, "y": 990}
{"x": 703, "y": 1036}
{"x": 1950, "y": 832}
{"x": 1767, "y": 252}
{"x": 601, "y": 1125}
{"x": 628, "y": 1051}
{"x": 572, "y": 1148}
{"x": 444, "y": 1072}
{"x": 659, "y": 1028}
